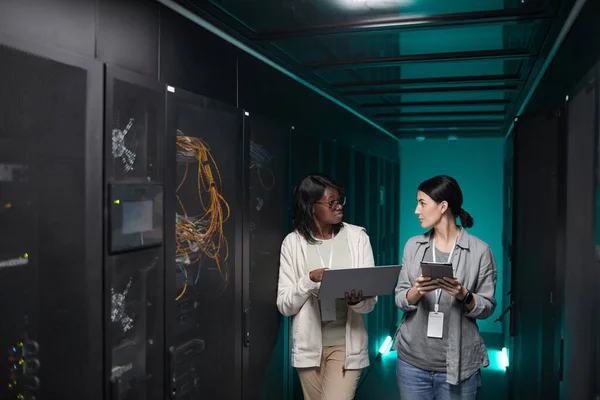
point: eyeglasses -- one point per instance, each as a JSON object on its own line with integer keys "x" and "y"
{"x": 333, "y": 204}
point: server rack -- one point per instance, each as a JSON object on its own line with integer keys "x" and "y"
{"x": 50, "y": 222}
{"x": 204, "y": 217}
{"x": 134, "y": 144}
{"x": 267, "y": 219}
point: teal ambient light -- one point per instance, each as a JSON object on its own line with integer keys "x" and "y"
{"x": 498, "y": 359}
{"x": 503, "y": 359}
{"x": 386, "y": 346}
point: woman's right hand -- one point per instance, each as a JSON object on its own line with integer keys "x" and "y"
{"x": 425, "y": 285}
{"x": 316, "y": 275}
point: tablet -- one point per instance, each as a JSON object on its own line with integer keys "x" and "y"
{"x": 373, "y": 281}
{"x": 437, "y": 270}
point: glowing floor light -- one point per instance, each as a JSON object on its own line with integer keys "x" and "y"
{"x": 498, "y": 359}
{"x": 386, "y": 346}
{"x": 503, "y": 358}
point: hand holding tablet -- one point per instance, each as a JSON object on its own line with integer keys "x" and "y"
{"x": 436, "y": 270}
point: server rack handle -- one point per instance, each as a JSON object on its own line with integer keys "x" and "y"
{"x": 115, "y": 388}
{"x": 171, "y": 384}
{"x": 246, "y": 327}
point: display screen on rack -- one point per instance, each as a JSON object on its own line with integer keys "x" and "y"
{"x": 138, "y": 216}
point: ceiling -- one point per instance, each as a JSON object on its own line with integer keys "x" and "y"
{"x": 430, "y": 68}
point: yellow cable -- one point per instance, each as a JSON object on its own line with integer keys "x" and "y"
{"x": 205, "y": 231}
{"x": 184, "y": 284}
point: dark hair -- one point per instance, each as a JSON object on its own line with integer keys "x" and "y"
{"x": 445, "y": 188}
{"x": 306, "y": 194}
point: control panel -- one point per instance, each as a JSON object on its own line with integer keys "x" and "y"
{"x": 136, "y": 216}
{"x": 22, "y": 370}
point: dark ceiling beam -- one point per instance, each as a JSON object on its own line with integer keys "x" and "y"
{"x": 451, "y": 103}
{"x": 504, "y": 54}
{"x": 441, "y": 114}
{"x": 409, "y": 22}
{"x": 437, "y": 80}
{"x": 490, "y": 88}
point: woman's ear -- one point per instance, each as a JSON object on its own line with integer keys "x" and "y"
{"x": 444, "y": 206}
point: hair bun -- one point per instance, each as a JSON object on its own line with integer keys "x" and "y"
{"x": 466, "y": 221}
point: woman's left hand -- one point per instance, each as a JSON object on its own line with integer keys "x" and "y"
{"x": 354, "y": 298}
{"x": 453, "y": 287}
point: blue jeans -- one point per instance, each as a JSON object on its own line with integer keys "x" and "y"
{"x": 417, "y": 384}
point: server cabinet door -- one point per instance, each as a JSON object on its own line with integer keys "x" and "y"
{"x": 536, "y": 226}
{"x": 306, "y": 154}
{"x": 50, "y": 224}
{"x": 344, "y": 175}
{"x": 362, "y": 192}
{"x": 134, "y": 268}
{"x": 204, "y": 216}
{"x": 374, "y": 221}
{"x": 267, "y": 221}
{"x": 579, "y": 273}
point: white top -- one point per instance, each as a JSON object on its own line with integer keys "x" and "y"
{"x": 333, "y": 332}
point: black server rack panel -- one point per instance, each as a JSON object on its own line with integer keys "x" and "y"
{"x": 305, "y": 154}
{"x": 374, "y": 193}
{"x": 394, "y": 211}
{"x": 361, "y": 197}
{"x": 50, "y": 218}
{"x": 134, "y": 265}
{"x": 344, "y": 169}
{"x": 579, "y": 273}
{"x": 268, "y": 143}
{"x": 203, "y": 277}
{"x": 328, "y": 158}
{"x": 389, "y": 210}
{"x": 536, "y": 225}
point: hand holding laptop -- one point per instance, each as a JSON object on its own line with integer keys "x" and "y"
{"x": 355, "y": 297}
{"x": 316, "y": 275}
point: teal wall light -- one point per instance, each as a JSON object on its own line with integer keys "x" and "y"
{"x": 386, "y": 346}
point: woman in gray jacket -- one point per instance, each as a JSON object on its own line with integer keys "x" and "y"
{"x": 440, "y": 350}
{"x": 329, "y": 339}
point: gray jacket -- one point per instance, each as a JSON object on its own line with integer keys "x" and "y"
{"x": 475, "y": 268}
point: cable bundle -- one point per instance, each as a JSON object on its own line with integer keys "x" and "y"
{"x": 201, "y": 234}
{"x": 259, "y": 158}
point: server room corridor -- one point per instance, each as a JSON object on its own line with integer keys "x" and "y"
{"x": 149, "y": 151}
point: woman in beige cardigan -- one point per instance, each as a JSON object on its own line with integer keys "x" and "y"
{"x": 329, "y": 340}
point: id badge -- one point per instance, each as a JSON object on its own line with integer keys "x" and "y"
{"x": 435, "y": 325}
{"x": 328, "y": 310}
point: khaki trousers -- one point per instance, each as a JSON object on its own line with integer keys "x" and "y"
{"x": 329, "y": 381}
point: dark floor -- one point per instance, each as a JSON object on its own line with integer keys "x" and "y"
{"x": 380, "y": 383}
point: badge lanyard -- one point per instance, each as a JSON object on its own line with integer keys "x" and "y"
{"x": 328, "y": 310}
{"x": 439, "y": 291}
{"x": 330, "y": 252}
